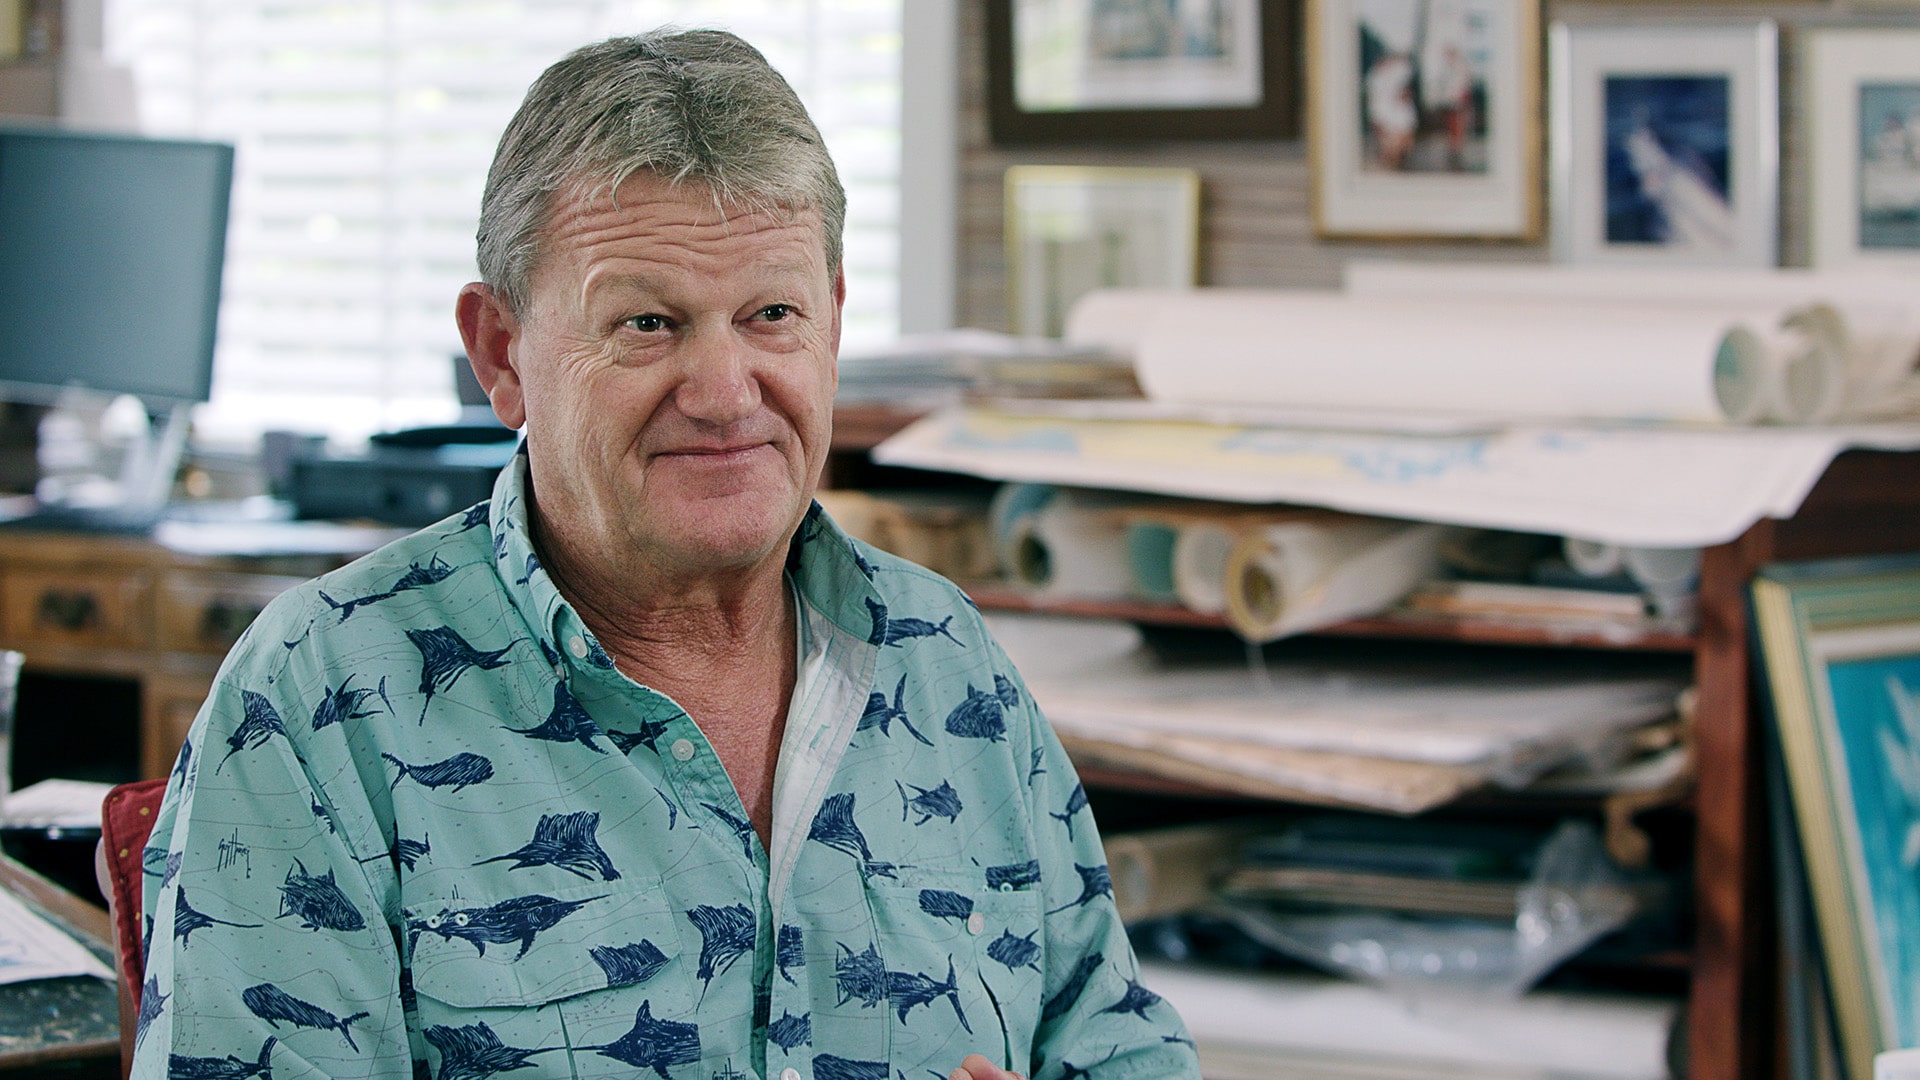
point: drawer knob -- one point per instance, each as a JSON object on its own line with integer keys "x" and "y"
{"x": 68, "y": 610}
{"x": 222, "y": 621}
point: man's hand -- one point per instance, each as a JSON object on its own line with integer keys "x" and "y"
{"x": 976, "y": 1067}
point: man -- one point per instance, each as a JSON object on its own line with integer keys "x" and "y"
{"x": 602, "y": 777}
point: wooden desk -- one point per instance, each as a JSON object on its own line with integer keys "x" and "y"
{"x": 59, "y": 1020}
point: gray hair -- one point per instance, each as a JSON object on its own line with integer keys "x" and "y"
{"x": 698, "y": 106}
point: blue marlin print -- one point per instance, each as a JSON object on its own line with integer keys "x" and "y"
{"x": 1137, "y": 1000}
{"x": 474, "y": 1052}
{"x": 183, "y": 766}
{"x": 790, "y": 1031}
{"x": 880, "y": 715}
{"x": 258, "y": 722}
{"x": 942, "y": 801}
{"x": 171, "y": 867}
{"x": 152, "y": 1004}
{"x": 567, "y": 841}
{"x": 654, "y": 1044}
{"x": 597, "y": 656}
{"x": 339, "y": 706}
{"x": 878, "y": 612}
{"x": 182, "y": 1067}
{"x": 568, "y": 722}
{"x": 906, "y": 629}
{"x": 321, "y": 814}
{"x": 983, "y": 715}
{"x": 629, "y": 965}
{"x": 649, "y": 733}
{"x": 789, "y": 951}
{"x": 726, "y": 935}
{"x": 1070, "y": 991}
{"x": 476, "y": 516}
{"x": 460, "y": 770}
{"x": 317, "y": 901}
{"x": 1095, "y": 882}
{"x": 186, "y": 920}
{"x": 445, "y": 656}
{"x": 1076, "y": 802}
{"x": 833, "y": 825}
{"x": 906, "y": 990}
{"x": 1070, "y": 1071}
{"x": 829, "y": 1067}
{"x": 272, "y": 1004}
{"x": 416, "y": 577}
{"x": 942, "y": 904}
{"x": 1013, "y": 875}
{"x": 861, "y": 976}
{"x": 1015, "y": 951}
{"x": 520, "y": 919}
{"x": 533, "y": 567}
{"x": 742, "y": 830}
{"x": 408, "y": 852}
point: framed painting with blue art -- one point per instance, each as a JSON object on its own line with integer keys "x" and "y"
{"x": 1841, "y": 644}
{"x": 1861, "y": 103}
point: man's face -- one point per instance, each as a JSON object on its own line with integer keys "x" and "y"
{"x": 674, "y": 366}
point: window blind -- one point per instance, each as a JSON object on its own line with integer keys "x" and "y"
{"x": 363, "y": 131}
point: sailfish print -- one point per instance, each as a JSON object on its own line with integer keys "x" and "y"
{"x": 833, "y": 825}
{"x": 445, "y": 656}
{"x": 416, "y": 577}
{"x": 566, "y": 841}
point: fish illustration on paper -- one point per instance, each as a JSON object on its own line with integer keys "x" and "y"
{"x": 1137, "y": 1000}
{"x": 833, "y": 825}
{"x": 567, "y": 841}
{"x": 520, "y": 919}
{"x": 445, "y": 656}
{"x": 742, "y": 829}
{"x": 186, "y": 920}
{"x": 474, "y": 1052}
{"x": 860, "y": 976}
{"x": 726, "y": 935}
{"x": 416, "y": 577}
{"x": 789, "y": 951}
{"x": 1015, "y": 951}
{"x": 654, "y": 1044}
{"x": 1095, "y": 882}
{"x": 879, "y": 714}
{"x": 461, "y": 770}
{"x": 790, "y": 1031}
{"x": 1076, "y": 802}
{"x": 272, "y": 1004}
{"x": 407, "y": 852}
{"x": 568, "y": 722}
{"x": 259, "y": 721}
{"x": 648, "y": 735}
{"x": 1069, "y": 993}
{"x": 1013, "y": 875}
{"x": 317, "y": 902}
{"x": 942, "y": 904}
{"x": 152, "y": 1004}
{"x": 942, "y": 801}
{"x": 907, "y": 990}
{"x": 830, "y": 1067}
{"x": 182, "y": 1067}
{"x": 983, "y": 715}
{"x": 339, "y": 706}
{"x": 631, "y": 964}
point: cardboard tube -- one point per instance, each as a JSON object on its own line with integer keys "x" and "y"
{"x": 1291, "y": 578}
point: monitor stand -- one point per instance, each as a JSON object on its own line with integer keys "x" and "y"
{"x": 146, "y": 484}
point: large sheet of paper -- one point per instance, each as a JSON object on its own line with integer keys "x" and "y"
{"x": 33, "y": 948}
{"x": 1635, "y": 485}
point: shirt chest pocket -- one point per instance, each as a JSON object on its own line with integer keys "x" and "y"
{"x": 557, "y": 984}
{"x": 962, "y": 969}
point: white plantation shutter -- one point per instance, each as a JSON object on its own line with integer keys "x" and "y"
{"x": 364, "y": 129}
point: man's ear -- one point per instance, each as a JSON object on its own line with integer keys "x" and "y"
{"x": 491, "y": 332}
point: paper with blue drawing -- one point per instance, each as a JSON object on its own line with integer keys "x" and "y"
{"x": 33, "y": 948}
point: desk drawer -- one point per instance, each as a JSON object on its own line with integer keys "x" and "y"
{"x": 206, "y": 612}
{"x": 107, "y": 607}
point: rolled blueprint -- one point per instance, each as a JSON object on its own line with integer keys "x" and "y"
{"x": 1073, "y": 546}
{"x": 1299, "y": 576}
{"x": 1200, "y": 556}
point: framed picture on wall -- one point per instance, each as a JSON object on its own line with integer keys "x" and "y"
{"x": 1666, "y": 143}
{"x": 1063, "y": 71}
{"x": 1071, "y": 230}
{"x": 1423, "y": 118}
{"x": 1861, "y": 104}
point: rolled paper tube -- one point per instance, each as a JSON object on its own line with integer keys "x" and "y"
{"x": 1810, "y": 371}
{"x": 1662, "y": 570}
{"x": 1591, "y": 558}
{"x": 1200, "y": 556}
{"x": 1071, "y": 550}
{"x": 1746, "y": 375}
{"x": 1288, "y": 579}
{"x": 1011, "y": 505}
{"x": 1150, "y": 547}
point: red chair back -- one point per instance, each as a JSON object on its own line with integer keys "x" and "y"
{"x": 126, "y": 819}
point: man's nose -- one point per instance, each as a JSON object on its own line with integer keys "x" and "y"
{"x": 719, "y": 383}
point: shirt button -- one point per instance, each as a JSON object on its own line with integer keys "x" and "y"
{"x": 1006, "y": 886}
{"x": 683, "y": 750}
{"x": 976, "y": 924}
{"x": 790, "y": 1074}
{"x": 577, "y": 645}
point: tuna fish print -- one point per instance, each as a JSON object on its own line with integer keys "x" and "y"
{"x": 1095, "y": 882}
{"x": 1076, "y": 802}
{"x": 629, "y": 965}
{"x": 861, "y": 976}
{"x": 1137, "y": 1000}
{"x": 942, "y": 801}
{"x": 445, "y": 656}
{"x": 567, "y": 841}
{"x": 568, "y": 722}
{"x": 1015, "y": 951}
{"x": 1013, "y": 875}
{"x": 833, "y": 825}
{"x": 654, "y": 1044}
{"x": 259, "y": 721}
{"x": 152, "y": 1004}
{"x": 317, "y": 902}
{"x": 880, "y": 715}
{"x": 790, "y": 1031}
{"x": 474, "y": 1052}
{"x": 272, "y": 1004}
{"x": 742, "y": 829}
{"x": 1069, "y": 994}
{"x": 981, "y": 715}
{"x": 459, "y": 771}
{"x": 789, "y": 951}
{"x": 182, "y": 1067}
{"x": 942, "y": 904}
{"x": 416, "y": 577}
{"x": 520, "y": 919}
{"x": 344, "y": 704}
{"x": 186, "y": 920}
{"x": 829, "y": 1067}
{"x": 907, "y": 990}
{"x": 726, "y": 935}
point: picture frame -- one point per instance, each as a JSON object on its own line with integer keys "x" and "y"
{"x": 1120, "y": 71}
{"x": 1860, "y": 103}
{"x": 1840, "y": 641}
{"x": 1424, "y": 118}
{"x": 1072, "y": 229}
{"x": 1665, "y": 143}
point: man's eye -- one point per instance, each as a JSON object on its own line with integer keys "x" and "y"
{"x": 648, "y": 324}
{"x": 774, "y": 312}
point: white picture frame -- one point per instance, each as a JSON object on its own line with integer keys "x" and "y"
{"x": 1665, "y": 143}
{"x": 1860, "y": 104}
{"x": 1462, "y": 161}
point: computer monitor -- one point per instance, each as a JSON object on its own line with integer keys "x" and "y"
{"x": 111, "y": 249}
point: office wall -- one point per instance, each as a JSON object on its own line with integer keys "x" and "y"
{"x": 1256, "y": 221}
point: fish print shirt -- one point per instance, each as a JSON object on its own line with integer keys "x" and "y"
{"x": 424, "y": 828}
